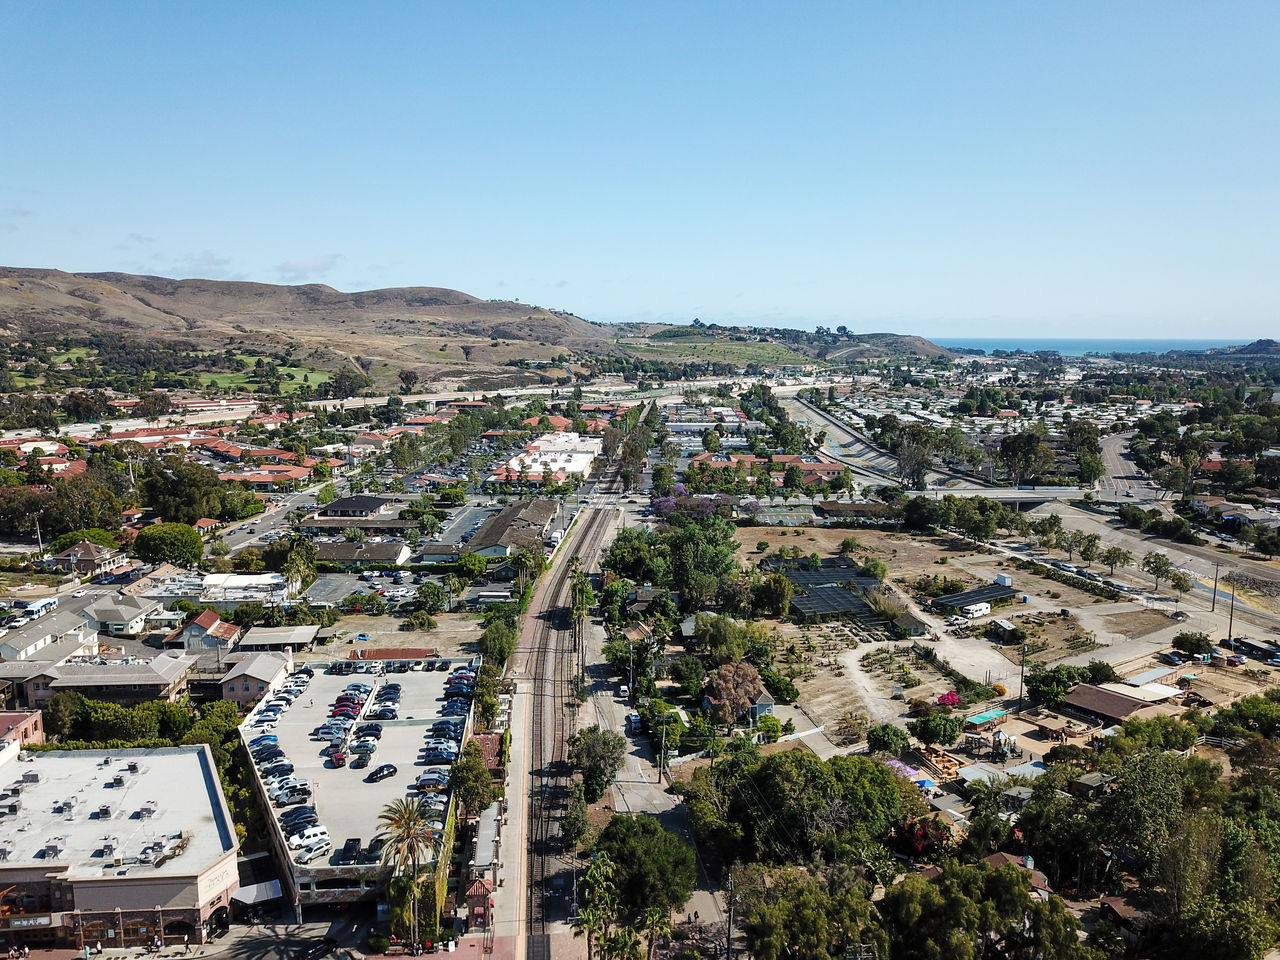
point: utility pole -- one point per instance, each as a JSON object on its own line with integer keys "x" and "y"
{"x": 662, "y": 749}
{"x": 729, "y": 938}
{"x": 1022, "y": 670}
{"x": 1213, "y": 602}
{"x": 1231, "y": 618}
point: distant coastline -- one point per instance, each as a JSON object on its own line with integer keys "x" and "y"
{"x": 1078, "y": 348}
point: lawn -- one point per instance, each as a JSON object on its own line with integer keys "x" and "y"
{"x": 711, "y": 348}
{"x": 244, "y": 379}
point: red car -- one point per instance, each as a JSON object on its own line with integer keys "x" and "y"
{"x": 339, "y": 758}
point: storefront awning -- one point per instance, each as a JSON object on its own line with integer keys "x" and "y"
{"x": 257, "y": 892}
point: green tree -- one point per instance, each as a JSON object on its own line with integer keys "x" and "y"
{"x": 175, "y": 543}
{"x": 472, "y": 566}
{"x": 1193, "y": 643}
{"x": 498, "y": 642}
{"x": 689, "y": 672}
{"x": 936, "y": 728}
{"x": 769, "y": 729}
{"x": 598, "y": 754}
{"x": 774, "y": 594}
{"x": 576, "y": 823}
{"x": 471, "y": 782}
{"x": 1116, "y": 557}
{"x": 103, "y": 538}
{"x": 432, "y": 598}
{"x": 1158, "y": 566}
{"x": 654, "y": 867}
{"x": 886, "y": 738}
{"x": 405, "y": 825}
{"x": 1180, "y": 583}
{"x": 326, "y": 494}
{"x": 875, "y": 567}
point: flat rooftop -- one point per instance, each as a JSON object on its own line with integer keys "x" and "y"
{"x": 344, "y": 802}
{"x": 115, "y": 813}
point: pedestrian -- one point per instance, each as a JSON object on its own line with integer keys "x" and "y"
{"x": 186, "y": 943}
{"x": 26, "y": 951}
{"x": 97, "y": 948}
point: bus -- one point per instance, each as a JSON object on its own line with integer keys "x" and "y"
{"x": 36, "y": 608}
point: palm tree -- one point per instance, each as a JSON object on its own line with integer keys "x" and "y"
{"x": 453, "y": 584}
{"x": 624, "y": 944}
{"x": 657, "y": 923}
{"x": 524, "y": 564}
{"x": 405, "y": 826}
{"x": 591, "y": 923}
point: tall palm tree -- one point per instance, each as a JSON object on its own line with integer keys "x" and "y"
{"x": 591, "y": 923}
{"x": 523, "y": 561}
{"x": 453, "y": 584}
{"x": 406, "y": 828}
{"x": 657, "y": 923}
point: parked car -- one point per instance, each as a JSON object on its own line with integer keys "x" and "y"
{"x": 296, "y": 814}
{"x": 350, "y": 852}
{"x": 359, "y": 761}
{"x": 307, "y": 854}
{"x": 1236, "y": 660}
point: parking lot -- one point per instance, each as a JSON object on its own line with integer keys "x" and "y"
{"x": 345, "y": 802}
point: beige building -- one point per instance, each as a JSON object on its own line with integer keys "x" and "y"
{"x": 255, "y": 676}
{"x": 114, "y": 846}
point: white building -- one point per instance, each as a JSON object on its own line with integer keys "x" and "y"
{"x": 563, "y": 456}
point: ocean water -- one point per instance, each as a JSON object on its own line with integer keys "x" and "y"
{"x": 1077, "y": 348}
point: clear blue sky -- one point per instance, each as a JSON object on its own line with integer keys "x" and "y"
{"x": 1071, "y": 169}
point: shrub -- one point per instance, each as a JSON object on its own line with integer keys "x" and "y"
{"x": 999, "y": 690}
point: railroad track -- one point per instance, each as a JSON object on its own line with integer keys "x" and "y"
{"x": 550, "y": 668}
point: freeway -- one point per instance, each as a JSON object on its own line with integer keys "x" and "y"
{"x": 876, "y": 466}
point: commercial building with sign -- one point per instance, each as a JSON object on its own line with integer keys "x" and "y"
{"x": 114, "y": 847}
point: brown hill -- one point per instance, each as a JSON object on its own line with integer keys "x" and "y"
{"x": 438, "y": 330}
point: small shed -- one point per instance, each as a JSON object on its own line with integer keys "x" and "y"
{"x": 987, "y": 720}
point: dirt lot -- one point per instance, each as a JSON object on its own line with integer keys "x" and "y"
{"x": 456, "y": 636}
{"x": 20, "y": 585}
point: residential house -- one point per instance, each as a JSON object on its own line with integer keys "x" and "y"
{"x": 88, "y": 559}
{"x": 121, "y": 616}
{"x": 254, "y": 676}
{"x": 126, "y": 681}
{"x": 206, "y": 632}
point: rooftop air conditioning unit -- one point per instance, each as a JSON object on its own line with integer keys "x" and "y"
{"x": 53, "y": 847}
{"x": 133, "y": 766}
{"x": 104, "y": 812}
{"x": 148, "y": 809}
{"x": 31, "y": 776}
{"x": 118, "y": 780}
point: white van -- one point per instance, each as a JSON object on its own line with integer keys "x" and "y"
{"x": 307, "y": 837}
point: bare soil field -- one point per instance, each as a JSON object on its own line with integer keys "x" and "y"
{"x": 456, "y": 636}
